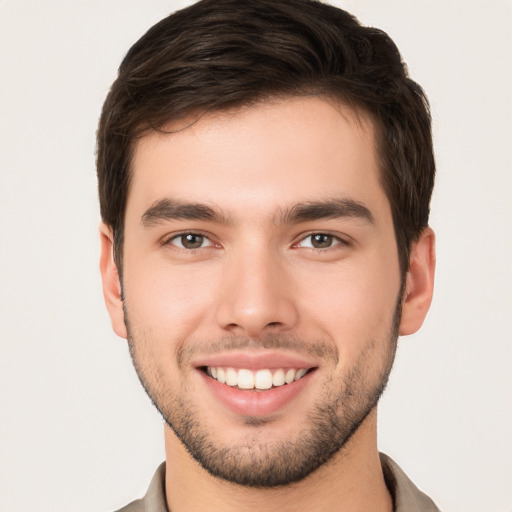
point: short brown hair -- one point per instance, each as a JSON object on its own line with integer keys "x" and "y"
{"x": 221, "y": 54}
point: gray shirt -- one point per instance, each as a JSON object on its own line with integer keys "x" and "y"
{"x": 406, "y": 496}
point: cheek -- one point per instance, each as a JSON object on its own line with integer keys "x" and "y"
{"x": 353, "y": 304}
{"x": 171, "y": 301}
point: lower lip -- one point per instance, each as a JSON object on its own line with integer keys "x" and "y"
{"x": 255, "y": 403}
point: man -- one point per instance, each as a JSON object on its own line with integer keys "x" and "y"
{"x": 265, "y": 171}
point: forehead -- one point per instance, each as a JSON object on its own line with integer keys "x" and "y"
{"x": 273, "y": 153}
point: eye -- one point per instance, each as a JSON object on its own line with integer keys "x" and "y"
{"x": 320, "y": 241}
{"x": 190, "y": 241}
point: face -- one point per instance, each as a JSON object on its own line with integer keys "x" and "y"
{"x": 261, "y": 285}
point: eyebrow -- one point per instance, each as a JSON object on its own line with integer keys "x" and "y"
{"x": 328, "y": 209}
{"x": 171, "y": 209}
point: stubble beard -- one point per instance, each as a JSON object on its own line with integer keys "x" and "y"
{"x": 327, "y": 427}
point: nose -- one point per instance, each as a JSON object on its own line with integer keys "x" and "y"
{"x": 257, "y": 295}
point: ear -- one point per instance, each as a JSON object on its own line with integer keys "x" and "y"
{"x": 419, "y": 284}
{"x": 111, "y": 281}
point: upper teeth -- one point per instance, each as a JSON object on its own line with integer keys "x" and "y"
{"x": 261, "y": 379}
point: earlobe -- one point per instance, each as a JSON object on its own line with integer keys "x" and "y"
{"x": 111, "y": 282}
{"x": 419, "y": 285}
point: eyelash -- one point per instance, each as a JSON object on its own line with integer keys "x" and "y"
{"x": 335, "y": 238}
{"x": 168, "y": 241}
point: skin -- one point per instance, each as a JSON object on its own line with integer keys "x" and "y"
{"x": 257, "y": 278}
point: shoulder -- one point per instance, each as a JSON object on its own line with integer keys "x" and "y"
{"x": 134, "y": 506}
{"x": 406, "y": 496}
{"x": 154, "y": 500}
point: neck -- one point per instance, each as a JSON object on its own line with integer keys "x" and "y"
{"x": 351, "y": 481}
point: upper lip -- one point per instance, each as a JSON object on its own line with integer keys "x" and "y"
{"x": 254, "y": 360}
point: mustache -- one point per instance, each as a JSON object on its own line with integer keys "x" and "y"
{"x": 284, "y": 342}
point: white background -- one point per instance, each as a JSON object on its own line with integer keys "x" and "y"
{"x": 76, "y": 430}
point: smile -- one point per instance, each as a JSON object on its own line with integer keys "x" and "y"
{"x": 256, "y": 383}
{"x": 261, "y": 380}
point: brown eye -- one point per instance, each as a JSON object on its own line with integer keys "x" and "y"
{"x": 321, "y": 241}
{"x": 190, "y": 241}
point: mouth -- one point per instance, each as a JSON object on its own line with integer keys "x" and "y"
{"x": 255, "y": 380}
{"x": 256, "y": 384}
